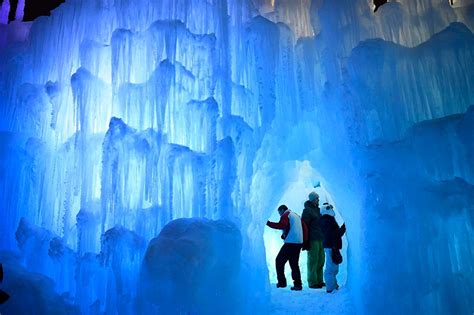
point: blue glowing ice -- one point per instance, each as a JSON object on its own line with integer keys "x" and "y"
{"x": 119, "y": 117}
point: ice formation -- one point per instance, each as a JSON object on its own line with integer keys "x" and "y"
{"x": 118, "y": 117}
{"x": 192, "y": 260}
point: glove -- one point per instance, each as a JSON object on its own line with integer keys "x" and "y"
{"x": 343, "y": 229}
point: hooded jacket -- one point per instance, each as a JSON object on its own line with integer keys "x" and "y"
{"x": 311, "y": 217}
{"x": 331, "y": 231}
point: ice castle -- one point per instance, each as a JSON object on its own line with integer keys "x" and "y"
{"x": 145, "y": 143}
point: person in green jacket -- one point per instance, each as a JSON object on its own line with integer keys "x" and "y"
{"x": 311, "y": 216}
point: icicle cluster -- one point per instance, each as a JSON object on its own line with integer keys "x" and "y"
{"x": 117, "y": 117}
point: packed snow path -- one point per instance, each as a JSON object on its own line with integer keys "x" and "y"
{"x": 311, "y": 301}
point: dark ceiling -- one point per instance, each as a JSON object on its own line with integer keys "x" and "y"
{"x": 36, "y": 8}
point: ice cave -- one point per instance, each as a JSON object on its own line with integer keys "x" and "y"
{"x": 144, "y": 144}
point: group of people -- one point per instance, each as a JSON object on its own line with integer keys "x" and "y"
{"x": 317, "y": 232}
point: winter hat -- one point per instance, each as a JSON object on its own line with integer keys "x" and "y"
{"x": 328, "y": 210}
{"x": 313, "y": 196}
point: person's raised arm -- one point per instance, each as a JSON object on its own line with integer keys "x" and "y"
{"x": 282, "y": 224}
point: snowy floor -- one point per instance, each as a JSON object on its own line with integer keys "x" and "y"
{"x": 311, "y": 301}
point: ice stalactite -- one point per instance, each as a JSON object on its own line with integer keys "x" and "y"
{"x": 20, "y": 10}
{"x": 4, "y": 11}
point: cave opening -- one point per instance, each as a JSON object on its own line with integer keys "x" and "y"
{"x": 294, "y": 196}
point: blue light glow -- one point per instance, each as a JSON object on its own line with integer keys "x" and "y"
{"x": 119, "y": 117}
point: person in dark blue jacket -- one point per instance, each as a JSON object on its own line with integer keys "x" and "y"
{"x": 311, "y": 216}
{"x": 332, "y": 241}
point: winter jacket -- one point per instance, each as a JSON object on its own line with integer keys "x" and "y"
{"x": 294, "y": 229}
{"x": 331, "y": 231}
{"x": 311, "y": 216}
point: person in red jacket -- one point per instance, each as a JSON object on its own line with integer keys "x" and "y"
{"x": 295, "y": 235}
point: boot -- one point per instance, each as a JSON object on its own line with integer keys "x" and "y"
{"x": 318, "y": 286}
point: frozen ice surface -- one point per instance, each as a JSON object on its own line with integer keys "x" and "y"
{"x": 118, "y": 117}
{"x": 192, "y": 266}
{"x": 45, "y": 253}
{"x": 415, "y": 80}
{"x": 121, "y": 254}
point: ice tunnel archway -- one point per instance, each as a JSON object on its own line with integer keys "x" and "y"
{"x": 303, "y": 181}
{"x": 296, "y": 157}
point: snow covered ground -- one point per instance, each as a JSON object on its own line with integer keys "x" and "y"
{"x": 311, "y": 301}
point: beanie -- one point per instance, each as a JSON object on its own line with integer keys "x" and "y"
{"x": 313, "y": 196}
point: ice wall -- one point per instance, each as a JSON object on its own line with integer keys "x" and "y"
{"x": 117, "y": 117}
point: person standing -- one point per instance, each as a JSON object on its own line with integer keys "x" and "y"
{"x": 311, "y": 217}
{"x": 332, "y": 242}
{"x": 294, "y": 234}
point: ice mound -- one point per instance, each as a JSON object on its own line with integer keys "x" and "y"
{"x": 192, "y": 267}
{"x": 30, "y": 293}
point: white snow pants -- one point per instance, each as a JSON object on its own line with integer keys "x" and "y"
{"x": 330, "y": 271}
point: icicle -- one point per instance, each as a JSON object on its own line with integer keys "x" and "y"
{"x": 20, "y": 10}
{"x": 4, "y": 12}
